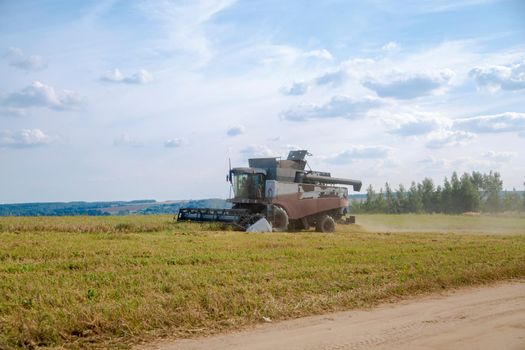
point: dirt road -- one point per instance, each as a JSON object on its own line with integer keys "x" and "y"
{"x": 473, "y": 318}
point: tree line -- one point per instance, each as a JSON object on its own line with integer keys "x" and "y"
{"x": 142, "y": 207}
{"x": 469, "y": 193}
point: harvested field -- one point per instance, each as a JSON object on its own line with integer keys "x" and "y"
{"x": 441, "y": 223}
{"x": 99, "y": 282}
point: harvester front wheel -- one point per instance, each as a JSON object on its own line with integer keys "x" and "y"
{"x": 279, "y": 219}
{"x": 325, "y": 224}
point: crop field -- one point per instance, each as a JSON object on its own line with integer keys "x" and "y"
{"x": 511, "y": 223}
{"x": 112, "y": 282}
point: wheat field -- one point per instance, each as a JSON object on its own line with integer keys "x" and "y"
{"x": 111, "y": 282}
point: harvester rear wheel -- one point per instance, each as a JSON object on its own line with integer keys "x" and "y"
{"x": 279, "y": 219}
{"x": 325, "y": 224}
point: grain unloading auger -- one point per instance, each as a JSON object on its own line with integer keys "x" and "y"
{"x": 284, "y": 193}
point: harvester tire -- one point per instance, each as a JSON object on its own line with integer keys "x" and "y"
{"x": 325, "y": 224}
{"x": 279, "y": 219}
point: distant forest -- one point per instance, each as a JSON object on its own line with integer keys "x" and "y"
{"x": 469, "y": 193}
{"x": 137, "y": 207}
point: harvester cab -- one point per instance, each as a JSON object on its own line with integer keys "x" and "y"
{"x": 248, "y": 183}
{"x": 283, "y": 192}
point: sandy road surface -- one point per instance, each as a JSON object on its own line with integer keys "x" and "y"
{"x": 473, "y": 318}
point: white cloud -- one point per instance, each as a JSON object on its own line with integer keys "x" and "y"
{"x": 272, "y": 54}
{"x": 504, "y": 77}
{"x": 460, "y": 164}
{"x": 337, "y": 107}
{"x": 416, "y": 124}
{"x": 12, "y": 112}
{"x": 174, "y": 143}
{"x": 40, "y": 95}
{"x": 182, "y": 25}
{"x": 447, "y": 138}
{"x": 279, "y": 57}
{"x": 140, "y": 78}
{"x": 408, "y": 85}
{"x": 114, "y": 75}
{"x": 235, "y": 131}
{"x": 360, "y": 152}
{"x": 128, "y": 141}
{"x": 24, "y": 138}
{"x": 290, "y": 147}
{"x": 499, "y": 156}
{"x": 433, "y": 6}
{"x": 253, "y": 151}
{"x": 335, "y": 78}
{"x": 443, "y": 132}
{"x": 358, "y": 64}
{"x": 417, "y": 127}
{"x": 296, "y": 89}
{"x": 468, "y": 164}
{"x": 17, "y": 58}
{"x": 390, "y": 47}
{"x": 495, "y": 123}
{"x": 432, "y": 162}
{"x": 321, "y": 54}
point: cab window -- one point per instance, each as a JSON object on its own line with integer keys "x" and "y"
{"x": 248, "y": 185}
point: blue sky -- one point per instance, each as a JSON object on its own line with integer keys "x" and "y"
{"x": 107, "y": 100}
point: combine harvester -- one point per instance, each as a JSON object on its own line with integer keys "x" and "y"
{"x": 282, "y": 193}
